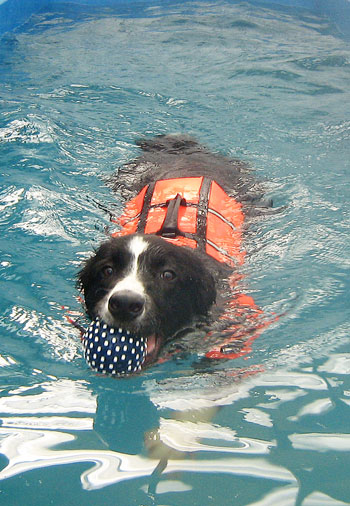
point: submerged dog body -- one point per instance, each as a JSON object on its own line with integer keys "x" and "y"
{"x": 147, "y": 284}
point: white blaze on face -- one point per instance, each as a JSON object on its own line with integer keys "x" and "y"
{"x": 131, "y": 281}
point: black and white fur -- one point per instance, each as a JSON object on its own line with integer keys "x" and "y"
{"x": 145, "y": 284}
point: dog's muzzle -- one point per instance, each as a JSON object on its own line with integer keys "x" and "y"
{"x": 113, "y": 351}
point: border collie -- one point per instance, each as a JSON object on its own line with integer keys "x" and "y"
{"x": 144, "y": 281}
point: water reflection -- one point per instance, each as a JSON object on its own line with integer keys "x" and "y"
{"x": 29, "y": 449}
{"x": 31, "y": 130}
{"x": 61, "y": 396}
{"x": 55, "y": 331}
{"x": 188, "y": 439}
{"x": 321, "y": 442}
{"x": 288, "y": 496}
{"x": 185, "y": 436}
{"x": 29, "y": 434}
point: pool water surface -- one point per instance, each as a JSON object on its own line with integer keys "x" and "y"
{"x": 268, "y": 85}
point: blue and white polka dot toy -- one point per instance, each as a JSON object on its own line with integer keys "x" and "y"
{"x": 113, "y": 351}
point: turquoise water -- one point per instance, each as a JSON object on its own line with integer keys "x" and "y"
{"x": 268, "y": 86}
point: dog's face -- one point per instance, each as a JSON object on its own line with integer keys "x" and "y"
{"x": 147, "y": 286}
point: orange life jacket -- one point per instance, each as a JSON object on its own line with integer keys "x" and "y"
{"x": 189, "y": 211}
{"x": 197, "y": 212}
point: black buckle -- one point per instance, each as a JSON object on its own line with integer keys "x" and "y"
{"x": 170, "y": 227}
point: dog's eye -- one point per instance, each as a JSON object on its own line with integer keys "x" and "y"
{"x": 168, "y": 275}
{"x": 107, "y": 271}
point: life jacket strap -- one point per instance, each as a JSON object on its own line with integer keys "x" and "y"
{"x": 145, "y": 208}
{"x": 202, "y": 213}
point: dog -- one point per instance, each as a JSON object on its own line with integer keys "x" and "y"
{"x": 163, "y": 275}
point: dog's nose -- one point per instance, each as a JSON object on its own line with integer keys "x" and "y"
{"x": 126, "y": 305}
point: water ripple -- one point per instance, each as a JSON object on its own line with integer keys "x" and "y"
{"x": 27, "y": 131}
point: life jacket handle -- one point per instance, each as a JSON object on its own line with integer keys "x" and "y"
{"x": 169, "y": 226}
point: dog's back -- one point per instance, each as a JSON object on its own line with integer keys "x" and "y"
{"x": 169, "y": 156}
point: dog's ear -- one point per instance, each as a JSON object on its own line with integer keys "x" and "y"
{"x": 84, "y": 276}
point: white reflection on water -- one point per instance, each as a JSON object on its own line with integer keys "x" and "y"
{"x": 287, "y": 496}
{"x": 319, "y": 499}
{"x": 48, "y": 423}
{"x": 29, "y": 439}
{"x": 62, "y": 396}
{"x": 6, "y": 361}
{"x": 257, "y": 416}
{"x": 185, "y": 436}
{"x": 314, "y": 408}
{"x": 321, "y": 442}
{"x": 339, "y": 363}
{"x": 31, "y": 130}
{"x": 30, "y": 449}
{"x": 166, "y": 486}
{"x": 55, "y": 331}
{"x": 182, "y": 394}
{"x": 42, "y": 215}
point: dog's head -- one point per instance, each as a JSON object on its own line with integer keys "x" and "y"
{"x": 147, "y": 286}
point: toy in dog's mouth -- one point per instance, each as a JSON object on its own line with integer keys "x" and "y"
{"x": 109, "y": 350}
